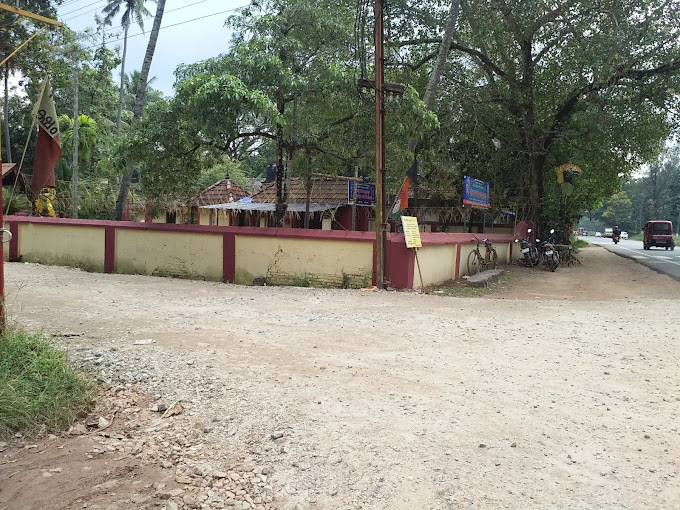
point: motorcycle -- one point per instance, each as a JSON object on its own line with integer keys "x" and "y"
{"x": 616, "y": 239}
{"x": 529, "y": 251}
{"x": 551, "y": 256}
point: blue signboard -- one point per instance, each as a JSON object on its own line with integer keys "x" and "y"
{"x": 364, "y": 194}
{"x": 475, "y": 193}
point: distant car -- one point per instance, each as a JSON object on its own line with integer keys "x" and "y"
{"x": 585, "y": 232}
{"x": 598, "y": 234}
{"x": 609, "y": 232}
{"x": 624, "y": 235}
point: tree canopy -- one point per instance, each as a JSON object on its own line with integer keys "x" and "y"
{"x": 523, "y": 88}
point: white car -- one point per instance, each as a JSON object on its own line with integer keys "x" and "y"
{"x": 598, "y": 234}
{"x": 624, "y": 235}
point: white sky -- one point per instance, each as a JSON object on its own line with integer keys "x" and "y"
{"x": 192, "y": 30}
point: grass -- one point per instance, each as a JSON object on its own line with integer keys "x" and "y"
{"x": 39, "y": 390}
{"x": 576, "y": 244}
{"x": 460, "y": 288}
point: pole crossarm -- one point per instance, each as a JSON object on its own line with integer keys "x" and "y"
{"x": 36, "y": 17}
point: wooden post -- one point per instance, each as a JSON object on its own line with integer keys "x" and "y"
{"x": 422, "y": 287}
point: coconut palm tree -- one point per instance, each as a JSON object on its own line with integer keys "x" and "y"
{"x": 132, "y": 9}
{"x": 131, "y": 83}
{"x": 139, "y": 102}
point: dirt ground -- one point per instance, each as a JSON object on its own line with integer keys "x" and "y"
{"x": 555, "y": 390}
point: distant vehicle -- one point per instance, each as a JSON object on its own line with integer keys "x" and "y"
{"x": 581, "y": 232}
{"x": 624, "y": 235}
{"x": 658, "y": 233}
{"x": 598, "y": 234}
{"x": 609, "y": 232}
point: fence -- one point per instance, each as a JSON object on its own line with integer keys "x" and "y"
{"x": 334, "y": 258}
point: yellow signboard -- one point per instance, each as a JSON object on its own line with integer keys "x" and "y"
{"x": 411, "y": 232}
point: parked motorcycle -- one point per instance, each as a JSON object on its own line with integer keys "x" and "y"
{"x": 529, "y": 251}
{"x": 551, "y": 257}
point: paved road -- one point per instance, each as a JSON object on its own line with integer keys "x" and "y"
{"x": 659, "y": 259}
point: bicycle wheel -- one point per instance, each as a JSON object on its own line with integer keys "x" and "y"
{"x": 494, "y": 259}
{"x": 473, "y": 262}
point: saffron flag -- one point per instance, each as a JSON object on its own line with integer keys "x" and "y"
{"x": 402, "y": 197}
{"x": 48, "y": 148}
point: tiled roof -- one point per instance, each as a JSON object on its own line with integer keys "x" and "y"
{"x": 221, "y": 192}
{"x": 324, "y": 191}
{"x": 8, "y": 167}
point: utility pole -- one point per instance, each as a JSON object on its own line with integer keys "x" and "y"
{"x": 74, "y": 176}
{"x": 380, "y": 197}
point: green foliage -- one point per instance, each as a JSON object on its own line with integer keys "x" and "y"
{"x": 14, "y": 201}
{"x": 39, "y": 390}
{"x": 87, "y": 138}
{"x": 619, "y": 208}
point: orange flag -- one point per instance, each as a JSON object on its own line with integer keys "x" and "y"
{"x": 48, "y": 148}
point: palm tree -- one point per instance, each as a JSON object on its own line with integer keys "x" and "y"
{"x": 132, "y": 9}
{"x": 87, "y": 136}
{"x": 131, "y": 83}
{"x": 140, "y": 97}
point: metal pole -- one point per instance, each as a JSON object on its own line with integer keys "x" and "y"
{"x": 74, "y": 176}
{"x": 380, "y": 230}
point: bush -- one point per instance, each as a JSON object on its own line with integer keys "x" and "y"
{"x": 39, "y": 390}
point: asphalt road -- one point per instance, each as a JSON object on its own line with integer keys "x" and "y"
{"x": 661, "y": 260}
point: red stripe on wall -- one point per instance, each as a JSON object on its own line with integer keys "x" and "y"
{"x": 228, "y": 257}
{"x": 109, "y": 249}
{"x": 457, "y": 275}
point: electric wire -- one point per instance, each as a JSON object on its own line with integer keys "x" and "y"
{"x": 168, "y": 26}
{"x": 84, "y": 7}
{"x": 144, "y": 18}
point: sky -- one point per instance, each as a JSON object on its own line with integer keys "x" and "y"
{"x": 192, "y": 30}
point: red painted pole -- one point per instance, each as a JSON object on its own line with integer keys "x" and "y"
{"x": 2, "y": 259}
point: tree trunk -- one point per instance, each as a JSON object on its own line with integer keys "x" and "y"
{"x": 74, "y": 175}
{"x": 139, "y": 104}
{"x": 281, "y": 205}
{"x": 5, "y": 115}
{"x": 146, "y": 65}
{"x": 308, "y": 198}
{"x": 435, "y": 78}
{"x": 121, "y": 94}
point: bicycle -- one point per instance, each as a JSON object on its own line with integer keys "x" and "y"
{"x": 475, "y": 260}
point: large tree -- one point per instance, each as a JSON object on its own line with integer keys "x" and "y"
{"x": 580, "y": 81}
